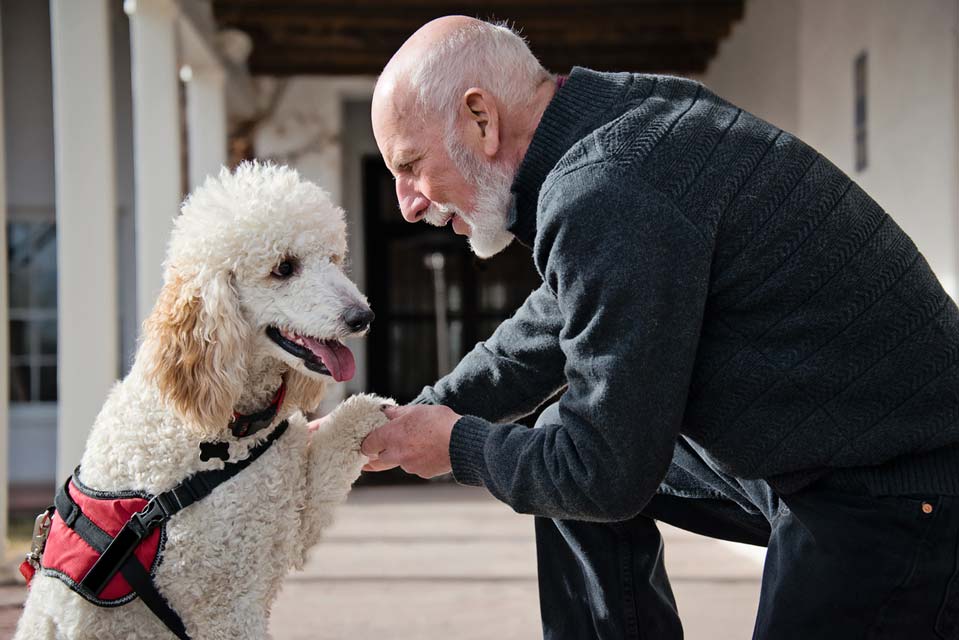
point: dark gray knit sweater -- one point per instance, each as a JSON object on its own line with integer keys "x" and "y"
{"x": 704, "y": 274}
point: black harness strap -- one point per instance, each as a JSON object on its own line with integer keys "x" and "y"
{"x": 116, "y": 553}
{"x": 142, "y": 583}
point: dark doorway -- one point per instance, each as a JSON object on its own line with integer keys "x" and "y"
{"x": 404, "y": 353}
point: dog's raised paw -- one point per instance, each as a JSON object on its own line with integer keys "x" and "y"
{"x": 358, "y": 415}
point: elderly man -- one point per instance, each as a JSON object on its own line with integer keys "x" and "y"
{"x": 750, "y": 347}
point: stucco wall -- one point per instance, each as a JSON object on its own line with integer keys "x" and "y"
{"x": 912, "y": 121}
{"x": 757, "y": 65}
{"x": 913, "y": 112}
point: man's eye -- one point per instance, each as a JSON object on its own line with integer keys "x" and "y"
{"x": 406, "y": 167}
{"x": 284, "y": 269}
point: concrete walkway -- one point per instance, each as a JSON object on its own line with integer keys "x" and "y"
{"x": 442, "y": 561}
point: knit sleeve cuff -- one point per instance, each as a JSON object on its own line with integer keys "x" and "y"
{"x": 466, "y": 450}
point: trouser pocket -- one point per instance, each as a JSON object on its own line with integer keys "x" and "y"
{"x": 843, "y": 566}
{"x": 926, "y": 602}
{"x": 947, "y": 621}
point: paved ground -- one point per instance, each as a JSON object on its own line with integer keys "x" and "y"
{"x": 442, "y": 561}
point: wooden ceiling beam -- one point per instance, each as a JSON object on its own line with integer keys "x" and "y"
{"x": 546, "y": 50}
{"x": 706, "y": 20}
{"x": 616, "y": 34}
{"x": 333, "y": 37}
{"x": 338, "y": 5}
{"x": 305, "y": 61}
{"x": 305, "y": 34}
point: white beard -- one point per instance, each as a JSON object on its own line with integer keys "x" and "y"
{"x": 488, "y": 218}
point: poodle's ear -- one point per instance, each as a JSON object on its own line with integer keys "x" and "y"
{"x": 195, "y": 342}
{"x": 303, "y": 391}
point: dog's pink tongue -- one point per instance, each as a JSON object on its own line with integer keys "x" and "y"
{"x": 335, "y": 356}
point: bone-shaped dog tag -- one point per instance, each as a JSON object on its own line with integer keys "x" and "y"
{"x": 210, "y": 450}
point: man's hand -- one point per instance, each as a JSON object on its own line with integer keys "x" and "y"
{"x": 416, "y": 439}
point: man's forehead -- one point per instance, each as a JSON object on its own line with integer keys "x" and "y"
{"x": 389, "y": 120}
{"x": 392, "y": 97}
{"x": 399, "y": 131}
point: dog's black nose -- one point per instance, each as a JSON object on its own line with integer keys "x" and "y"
{"x": 358, "y": 318}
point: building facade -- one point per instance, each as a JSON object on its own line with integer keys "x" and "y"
{"x": 874, "y": 86}
{"x": 111, "y": 113}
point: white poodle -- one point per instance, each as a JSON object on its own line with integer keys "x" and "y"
{"x": 249, "y": 321}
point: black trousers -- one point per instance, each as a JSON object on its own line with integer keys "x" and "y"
{"x": 841, "y": 563}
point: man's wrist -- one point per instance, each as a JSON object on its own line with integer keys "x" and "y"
{"x": 467, "y": 450}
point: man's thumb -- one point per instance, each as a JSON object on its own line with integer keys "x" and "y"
{"x": 392, "y": 412}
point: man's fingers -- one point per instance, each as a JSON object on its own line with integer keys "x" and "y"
{"x": 386, "y": 459}
{"x": 378, "y": 465}
{"x": 374, "y": 442}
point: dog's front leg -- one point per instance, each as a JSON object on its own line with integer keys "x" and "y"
{"x": 34, "y": 623}
{"x": 335, "y": 461}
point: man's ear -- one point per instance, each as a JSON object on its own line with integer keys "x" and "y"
{"x": 483, "y": 118}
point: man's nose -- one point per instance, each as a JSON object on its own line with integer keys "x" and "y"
{"x": 413, "y": 204}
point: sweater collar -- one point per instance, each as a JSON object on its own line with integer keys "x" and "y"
{"x": 577, "y": 109}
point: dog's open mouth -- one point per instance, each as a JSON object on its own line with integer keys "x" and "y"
{"x": 328, "y": 357}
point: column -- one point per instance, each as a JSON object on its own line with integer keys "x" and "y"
{"x": 4, "y": 337}
{"x": 156, "y": 139}
{"x": 206, "y": 122}
{"x": 87, "y": 333}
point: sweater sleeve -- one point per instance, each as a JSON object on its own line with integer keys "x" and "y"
{"x": 509, "y": 375}
{"x": 630, "y": 274}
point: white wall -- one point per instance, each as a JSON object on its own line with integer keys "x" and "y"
{"x": 912, "y": 119}
{"x": 913, "y": 112}
{"x": 757, "y": 65}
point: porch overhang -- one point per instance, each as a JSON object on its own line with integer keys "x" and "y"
{"x": 331, "y": 37}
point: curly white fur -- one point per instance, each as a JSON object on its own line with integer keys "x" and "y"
{"x": 203, "y": 354}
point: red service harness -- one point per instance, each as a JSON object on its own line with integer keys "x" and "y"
{"x": 69, "y": 557}
{"x": 106, "y": 546}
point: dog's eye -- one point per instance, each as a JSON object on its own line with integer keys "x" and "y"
{"x": 284, "y": 269}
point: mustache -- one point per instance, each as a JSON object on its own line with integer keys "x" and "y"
{"x": 438, "y": 214}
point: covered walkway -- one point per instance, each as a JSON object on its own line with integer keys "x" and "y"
{"x": 440, "y": 561}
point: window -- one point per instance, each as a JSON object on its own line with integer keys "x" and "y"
{"x": 32, "y": 254}
{"x": 860, "y": 79}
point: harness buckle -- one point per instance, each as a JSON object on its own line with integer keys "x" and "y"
{"x": 38, "y": 541}
{"x": 148, "y": 518}
{"x": 137, "y": 529}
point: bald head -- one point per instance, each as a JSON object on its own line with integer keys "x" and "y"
{"x": 426, "y": 38}
{"x": 453, "y": 113}
{"x": 448, "y": 55}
